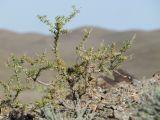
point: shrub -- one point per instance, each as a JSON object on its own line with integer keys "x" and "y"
{"x": 73, "y": 81}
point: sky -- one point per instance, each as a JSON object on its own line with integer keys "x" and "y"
{"x": 21, "y": 15}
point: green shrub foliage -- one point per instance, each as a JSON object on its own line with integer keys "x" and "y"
{"x": 71, "y": 80}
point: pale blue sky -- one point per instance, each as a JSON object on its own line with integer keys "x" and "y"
{"x": 20, "y": 15}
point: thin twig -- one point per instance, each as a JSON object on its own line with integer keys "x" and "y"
{"x": 43, "y": 83}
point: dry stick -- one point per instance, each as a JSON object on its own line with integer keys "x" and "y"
{"x": 43, "y": 83}
{"x": 124, "y": 76}
{"x": 38, "y": 74}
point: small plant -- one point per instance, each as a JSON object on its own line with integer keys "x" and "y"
{"x": 150, "y": 108}
{"x": 77, "y": 113}
{"x": 14, "y": 86}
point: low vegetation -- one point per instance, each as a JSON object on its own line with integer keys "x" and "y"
{"x": 76, "y": 94}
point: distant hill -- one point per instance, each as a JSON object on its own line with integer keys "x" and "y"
{"x": 145, "y": 50}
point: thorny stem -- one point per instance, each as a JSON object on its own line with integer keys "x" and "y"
{"x": 38, "y": 74}
{"x": 16, "y": 95}
{"x": 56, "y": 43}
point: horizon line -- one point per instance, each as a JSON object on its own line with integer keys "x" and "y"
{"x": 80, "y": 27}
